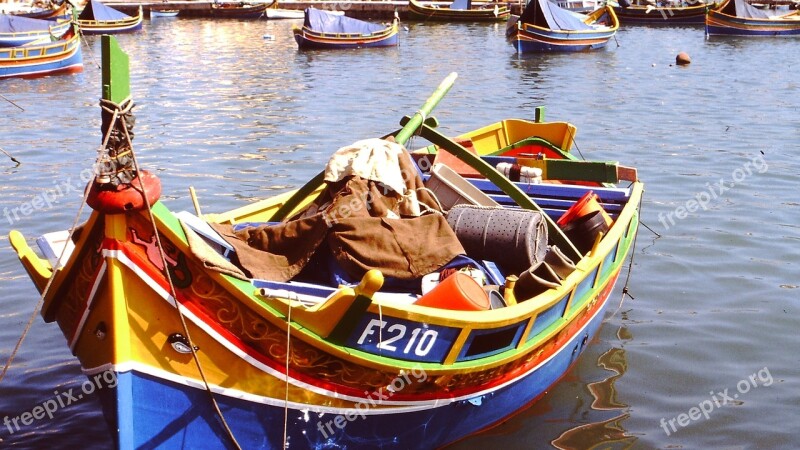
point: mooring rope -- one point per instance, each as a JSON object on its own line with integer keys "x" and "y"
{"x": 286, "y": 386}
{"x": 625, "y": 290}
{"x": 572, "y": 138}
{"x": 46, "y": 289}
{"x": 56, "y": 267}
{"x": 173, "y": 292}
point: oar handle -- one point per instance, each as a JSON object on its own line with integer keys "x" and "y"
{"x": 420, "y": 116}
{"x": 402, "y": 137}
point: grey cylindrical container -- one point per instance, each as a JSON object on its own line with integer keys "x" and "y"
{"x": 515, "y": 239}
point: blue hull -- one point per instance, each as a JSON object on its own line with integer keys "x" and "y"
{"x": 712, "y": 30}
{"x": 41, "y": 69}
{"x": 541, "y": 47}
{"x": 151, "y": 412}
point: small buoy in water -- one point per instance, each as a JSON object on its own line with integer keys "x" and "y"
{"x": 269, "y": 37}
{"x": 682, "y": 59}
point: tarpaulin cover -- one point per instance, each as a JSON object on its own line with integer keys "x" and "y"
{"x": 16, "y": 24}
{"x": 325, "y": 22}
{"x": 740, "y": 8}
{"x": 546, "y": 14}
{"x": 95, "y": 10}
{"x": 461, "y": 4}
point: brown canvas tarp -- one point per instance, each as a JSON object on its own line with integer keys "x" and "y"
{"x": 366, "y": 226}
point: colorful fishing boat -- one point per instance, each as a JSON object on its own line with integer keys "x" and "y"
{"x": 545, "y": 27}
{"x": 15, "y": 30}
{"x": 376, "y": 320}
{"x": 459, "y": 11}
{"x": 739, "y": 18}
{"x": 323, "y": 30}
{"x": 43, "y": 57}
{"x": 97, "y": 18}
{"x": 239, "y": 10}
{"x": 657, "y": 14}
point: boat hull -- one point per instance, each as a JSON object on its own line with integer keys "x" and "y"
{"x": 417, "y": 11}
{"x": 236, "y": 11}
{"x": 145, "y": 399}
{"x": 61, "y": 57}
{"x": 718, "y": 24}
{"x": 662, "y": 15}
{"x": 95, "y": 27}
{"x": 308, "y": 39}
{"x": 528, "y": 38}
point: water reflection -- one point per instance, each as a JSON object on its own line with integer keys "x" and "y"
{"x": 608, "y": 432}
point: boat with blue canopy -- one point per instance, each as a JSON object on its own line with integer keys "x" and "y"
{"x": 323, "y": 30}
{"x": 16, "y": 30}
{"x": 543, "y": 26}
{"x": 739, "y": 18}
{"x": 459, "y": 11}
{"x": 97, "y": 18}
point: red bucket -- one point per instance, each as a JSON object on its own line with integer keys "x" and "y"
{"x": 586, "y": 205}
{"x": 458, "y": 292}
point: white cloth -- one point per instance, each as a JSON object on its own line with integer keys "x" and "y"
{"x": 373, "y": 159}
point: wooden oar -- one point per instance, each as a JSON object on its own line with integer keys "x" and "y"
{"x": 402, "y": 137}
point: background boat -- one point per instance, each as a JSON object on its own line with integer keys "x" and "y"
{"x": 459, "y": 11}
{"x": 43, "y": 57}
{"x": 739, "y": 18}
{"x": 15, "y": 30}
{"x": 240, "y": 10}
{"x": 654, "y": 334}
{"x": 545, "y": 27}
{"x": 645, "y": 13}
{"x": 323, "y": 30}
{"x": 34, "y": 12}
{"x": 154, "y": 12}
{"x": 97, "y": 18}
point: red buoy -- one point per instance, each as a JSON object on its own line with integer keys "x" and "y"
{"x": 115, "y": 199}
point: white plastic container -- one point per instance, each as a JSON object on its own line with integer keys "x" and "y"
{"x": 452, "y": 189}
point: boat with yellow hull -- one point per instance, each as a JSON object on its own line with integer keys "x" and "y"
{"x": 458, "y": 11}
{"x": 203, "y": 356}
{"x": 739, "y": 18}
{"x": 98, "y": 18}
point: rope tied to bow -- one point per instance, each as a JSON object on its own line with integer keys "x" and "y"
{"x": 114, "y": 160}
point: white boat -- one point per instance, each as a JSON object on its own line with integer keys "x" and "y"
{"x": 163, "y": 12}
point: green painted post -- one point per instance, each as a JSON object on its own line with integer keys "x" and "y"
{"x": 116, "y": 78}
{"x": 419, "y": 117}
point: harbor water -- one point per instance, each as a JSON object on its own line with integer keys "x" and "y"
{"x": 703, "y": 353}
